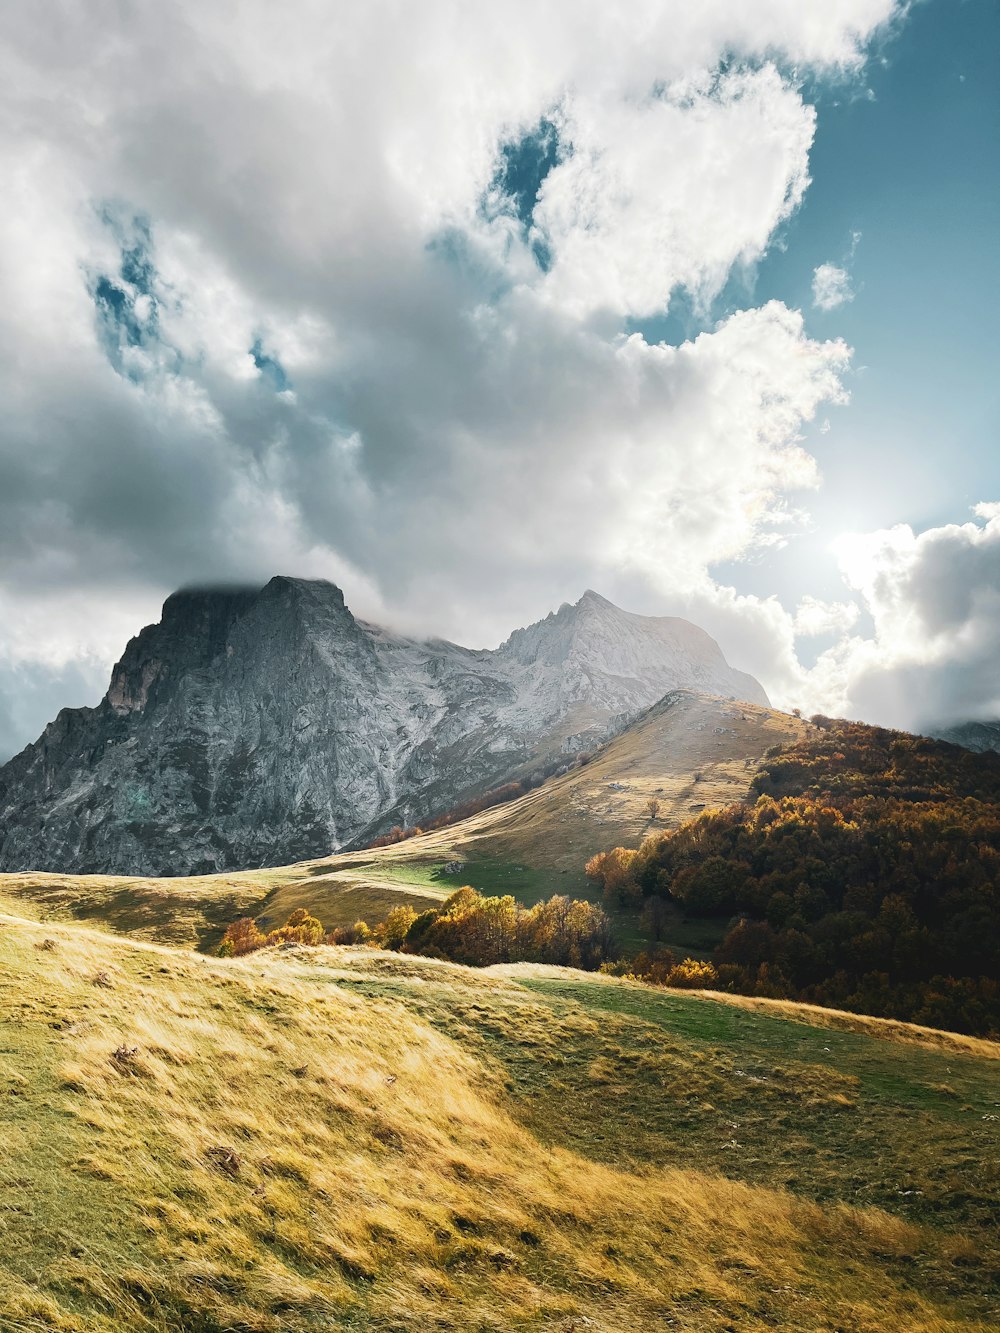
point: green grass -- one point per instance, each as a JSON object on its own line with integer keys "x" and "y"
{"x": 916, "y": 1118}
{"x": 417, "y": 1145}
{"x": 527, "y": 885}
{"x": 488, "y": 875}
{"x": 640, "y": 1077}
{"x": 421, "y": 872}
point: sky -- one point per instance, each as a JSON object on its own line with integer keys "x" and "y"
{"x": 470, "y": 308}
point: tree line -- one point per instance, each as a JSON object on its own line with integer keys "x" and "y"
{"x": 468, "y": 927}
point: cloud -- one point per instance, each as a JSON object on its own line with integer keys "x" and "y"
{"x": 831, "y": 284}
{"x": 930, "y": 605}
{"x": 348, "y": 293}
{"x": 934, "y": 598}
{"x": 831, "y": 287}
{"x": 814, "y": 617}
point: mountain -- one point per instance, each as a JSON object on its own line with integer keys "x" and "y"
{"x": 688, "y": 751}
{"x": 587, "y": 661}
{"x": 978, "y": 736}
{"x": 255, "y": 727}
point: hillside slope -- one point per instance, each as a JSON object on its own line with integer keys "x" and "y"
{"x": 344, "y": 1139}
{"x": 688, "y": 750}
{"x": 979, "y": 736}
{"x": 864, "y": 873}
{"x": 258, "y": 727}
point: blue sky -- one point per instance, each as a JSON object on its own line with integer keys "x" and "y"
{"x": 909, "y": 157}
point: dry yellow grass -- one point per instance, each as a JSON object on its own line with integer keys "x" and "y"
{"x": 194, "y": 911}
{"x": 289, "y": 1141}
{"x": 690, "y": 751}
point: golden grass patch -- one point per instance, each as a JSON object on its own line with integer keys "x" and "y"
{"x": 273, "y": 1149}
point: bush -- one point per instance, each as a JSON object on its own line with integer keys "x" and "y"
{"x": 693, "y": 975}
{"x": 356, "y": 934}
{"x": 243, "y": 936}
{"x": 653, "y": 968}
{"x": 613, "y": 872}
{"x": 391, "y": 932}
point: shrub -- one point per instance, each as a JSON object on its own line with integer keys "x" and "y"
{"x": 391, "y": 932}
{"x": 468, "y": 927}
{"x": 356, "y": 934}
{"x": 240, "y": 938}
{"x": 692, "y": 975}
{"x": 653, "y": 968}
{"x": 244, "y": 937}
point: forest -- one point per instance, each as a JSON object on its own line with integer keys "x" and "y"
{"x": 864, "y": 875}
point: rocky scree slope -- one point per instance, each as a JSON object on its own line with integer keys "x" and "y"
{"x": 258, "y": 727}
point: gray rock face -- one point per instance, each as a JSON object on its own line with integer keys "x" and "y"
{"x": 258, "y": 727}
{"x": 978, "y": 736}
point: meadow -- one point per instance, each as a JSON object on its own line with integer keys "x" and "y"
{"x": 346, "y": 1138}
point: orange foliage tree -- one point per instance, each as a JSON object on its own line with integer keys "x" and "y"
{"x": 865, "y": 874}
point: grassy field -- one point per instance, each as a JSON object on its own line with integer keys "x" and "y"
{"x": 347, "y": 1139}
{"x": 194, "y": 912}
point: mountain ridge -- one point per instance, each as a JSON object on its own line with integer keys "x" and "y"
{"x": 258, "y": 726}
{"x": 978, "y": 735}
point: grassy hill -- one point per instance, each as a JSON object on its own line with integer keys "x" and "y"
{"x": 689, "y": 751}
{"x": 349, "y": 1139}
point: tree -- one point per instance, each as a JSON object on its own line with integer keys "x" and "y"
{"x": 613, "y": 871}
{"x": 392, "y": 932}
{"x": 241, "y": 937}
{"x": 692, "y": 974}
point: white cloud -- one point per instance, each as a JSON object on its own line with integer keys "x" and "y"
{"x": 934, "y": 598}
{"x": 831, "y": 284}
{"x": 932, "y": 601}
{"x": 814, "y": 617}
{"x": 672, "y": 190}
{"x": 831, "y": 287}
{"x": 344, "y": 356}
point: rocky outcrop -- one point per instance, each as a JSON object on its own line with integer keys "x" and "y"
{"x": 262, "y": 726}
{"x": 978, "y": 736}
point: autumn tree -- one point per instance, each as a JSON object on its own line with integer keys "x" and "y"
{"x": 612, "y": 871}
{"x": 241, "y": 937}
{"x": 865, "y": 875}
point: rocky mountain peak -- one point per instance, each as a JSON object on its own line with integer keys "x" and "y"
{"x": 255, "y": 726}
{"x": 591, "y": 599}
{"x": 192, "y": 630}
{"x": 980, "y": 735}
